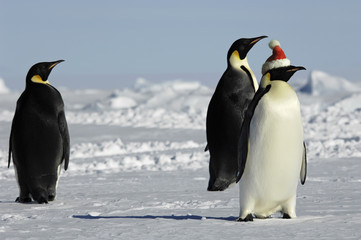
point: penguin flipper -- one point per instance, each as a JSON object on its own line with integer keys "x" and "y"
{"x": 11, "y": 135}
{"x": 10, "y": 149}
{"x": 243, "y": 142}
{"x": 303, "y": 172}
{"x": 63, "y": 127}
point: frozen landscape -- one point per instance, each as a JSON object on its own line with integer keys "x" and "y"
{"x": 138, "y": 170}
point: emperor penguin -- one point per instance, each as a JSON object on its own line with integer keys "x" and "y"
{"x": 272, "y": 152}
{"x": 39, "y": 139}
{"x": 225, "y": 114}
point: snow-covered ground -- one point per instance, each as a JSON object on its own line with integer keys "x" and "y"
{"x": 138, "y": 169}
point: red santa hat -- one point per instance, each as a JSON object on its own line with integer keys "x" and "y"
{"x": 277, "y": 59}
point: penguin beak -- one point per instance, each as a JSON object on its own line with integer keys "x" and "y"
{"x": 251, "y": 42}
{"x": 295, "y": 69}
{"x": 255, "y": 40}
{"x": 55, "y": 63}
{"x": 290, "y": 70}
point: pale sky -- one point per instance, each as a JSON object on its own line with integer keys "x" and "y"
{"x": 109, "y": 44}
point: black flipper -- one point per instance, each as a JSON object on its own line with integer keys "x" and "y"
{"x": 244, "y": 137}
{"x": 206, "y": 148}
{"x": 63, "y": 127}
{"x": 10, "y": 149}
{"x": 9, "y": 159}
{"x": 303, "y": 172}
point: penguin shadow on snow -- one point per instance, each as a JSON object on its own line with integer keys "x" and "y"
{"x": 25, "y": 203}
{"x": 153, "y": 217}
{"x": 174, "y": 217}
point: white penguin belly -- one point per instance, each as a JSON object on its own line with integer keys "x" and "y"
{"x": 275, "y": 153}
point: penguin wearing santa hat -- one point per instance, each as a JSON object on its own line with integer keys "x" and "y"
{"x": 272, "y": 153}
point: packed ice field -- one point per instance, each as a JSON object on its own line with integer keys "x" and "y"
{"x": 138, "y": 168}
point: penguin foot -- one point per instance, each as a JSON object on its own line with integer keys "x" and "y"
{"x": 51, "y": 197}
{"x": 248, "y": 218}
{"x": 42, "y": 200}
{"x": 286, "y": 216}
{"x": 23, "y": 200}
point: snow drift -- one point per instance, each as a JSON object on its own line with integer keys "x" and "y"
{"x": 175, "y": 104}
{"x": 320, "y": 83}
{"x": 332, "y": 129}
{"x": 3, "y": 88}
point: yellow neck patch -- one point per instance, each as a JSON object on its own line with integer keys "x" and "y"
{"x": 38, "y": 79}
{"x": 235, "y": 59}
{"x": 236, "y": 62}
{"x": 266, "y": 80}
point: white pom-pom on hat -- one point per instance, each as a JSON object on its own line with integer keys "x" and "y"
{"x": 273, "y": 43}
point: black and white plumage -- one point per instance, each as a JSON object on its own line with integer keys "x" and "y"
{"x": 39, "y": 139}
{"x": 226, "y": 109}
{"x": 272, "y": 153}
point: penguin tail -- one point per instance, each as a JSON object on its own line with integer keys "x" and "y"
{"x": 206, "y": 148}
{"x": 220, "y": 184}
{"x": 238, "y": 177}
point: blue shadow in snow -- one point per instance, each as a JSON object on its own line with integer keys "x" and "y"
{"x": 171, "y": 217}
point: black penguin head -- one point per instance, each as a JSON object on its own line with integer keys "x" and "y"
{"x": 241, "y": 47}
{"x": 283, "y": 73}
{"x": 39, "y": 72}
{"x": 280, "y": 74}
